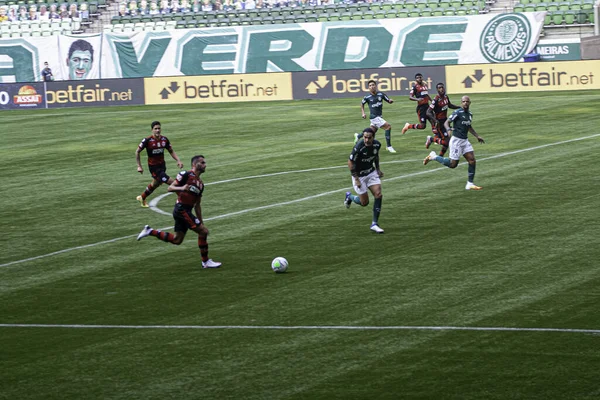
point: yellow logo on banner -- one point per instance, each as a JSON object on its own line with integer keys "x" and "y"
{"x": 523, "y": 77}
{"x": 218, "y": 88}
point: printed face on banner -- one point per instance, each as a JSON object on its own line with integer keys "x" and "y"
{"x": 80, "y": 59}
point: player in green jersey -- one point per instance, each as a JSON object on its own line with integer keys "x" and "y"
{"x": 375, "y": 100}
{"x": 459, "y": 142}
{"x": 364, "y": 167}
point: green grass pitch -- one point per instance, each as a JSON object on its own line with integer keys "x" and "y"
{"x": 468, "y": 295}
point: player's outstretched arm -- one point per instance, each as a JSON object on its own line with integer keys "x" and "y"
{"x": 479, "y": 138}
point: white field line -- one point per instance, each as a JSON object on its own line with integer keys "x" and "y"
{"x": 309, "y": 327}
{"x": 248, "y": 210}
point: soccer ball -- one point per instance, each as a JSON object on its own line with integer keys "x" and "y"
{"x": 279, "y": 264}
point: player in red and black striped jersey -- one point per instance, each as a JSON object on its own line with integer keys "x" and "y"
{"x": 420, "y": 94}
{"x": 189, "y": 188}
{"x": 438, "y": 114}
{"x": 155, "y": 146}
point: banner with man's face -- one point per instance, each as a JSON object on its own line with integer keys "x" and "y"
{"x": 79, "y": 57}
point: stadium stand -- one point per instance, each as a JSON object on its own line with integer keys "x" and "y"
{"x": 162, "y": 16}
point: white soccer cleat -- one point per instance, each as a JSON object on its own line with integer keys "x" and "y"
{"x": 348, "y": 200}
{"x": 210, "y": 264}
{"x": 430, "y": 157}
{"x": 391, "y": 149}
{"x": 472, "y": 186}
{"x": 375, "y": 228}
{"x": 145, "y": 232}
{"x": 355, "y": 138}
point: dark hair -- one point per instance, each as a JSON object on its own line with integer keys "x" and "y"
{"x": 418, "y": 74}
{"x": 195, "y": 158}
{"x": 369, "y": 130}
{"x": 372, "y": 80}
{"x": 81, "y": 45}
{"x": 440, "y": 84}
{"x": 154, "y": 123}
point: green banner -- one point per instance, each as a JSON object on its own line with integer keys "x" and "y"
{"x": 326, "y": 46}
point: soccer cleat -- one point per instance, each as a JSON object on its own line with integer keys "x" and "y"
{"x": 375, "y": 228}
{"x": 145, "y": 232}
{"x": 428, "y": 142}
{"x": 430, "y": 157}
{"x": 472, "y": 186}
{"x": 348, "y": 200}
{"x": 406, "y": 126}
{"x": 355, "y": 138}
{"x": 210, "y": 264}
{"x": 142, "y": 201}
{"x": 391, "y": 149}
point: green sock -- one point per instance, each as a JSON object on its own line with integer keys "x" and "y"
{"x": 377, "y": 209}
{"x": 355, "y": 199}
{"x": 388, "y": 137}
{"x": 471, "y": 175}
{"x": 443, "y": 160}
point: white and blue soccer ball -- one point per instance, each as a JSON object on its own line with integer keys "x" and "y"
{"x": 279, "y": 264}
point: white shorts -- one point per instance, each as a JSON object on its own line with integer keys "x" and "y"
{"x": 378, "y": 122}
{"x": 458, "y": 147}
{"x": 366, "y": 182}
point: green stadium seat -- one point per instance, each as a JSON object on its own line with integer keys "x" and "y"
{"x": 285, "y": 11}
{"x": 450, "y": 11}
{"x": 548, "y": 19}
{"x": 410, "y": 4}
{"x": 308, "y": 10}
{"x": 456, "y": 4}
{"x": 552, "y": 6}
{"x": 268, "y": 20}
{"x": 346, "y": 16}
{"x": 574, "y": 5}
{"x": 474, "y": 10}
{"x": 587, "y": 5}
{"x": 421, "y": 4}
{"x": 525, "y": 1}
{"x": 364, "y": 7}
{"x": 541, "y": 7}
{"x": 462, "y": 10}
{"x": 403, "y": 13}
{"x": 358, "y": 15}
{"x": 334, "y": 16}
{"x": 581, "y": 17}
{"x": 380, "y": 14}
{"x": 369, "y": 14}
{"x": 391, "y": 14}
{"x": 311, "y": 18}
{"x": 557, "y": 17}
{"x": 115, "y": 20}
{"x": 246, "y": 21}
{"x": 323, "y": 17}
{"x": 469, "y": 3}
{"x": 181, "y": 24}
{"x": 564, "y": 6}
{"x": 352, "y": 8}
{"x": 426, "y": 12}
{"x": 438, "y": 12}
{"x": 569, "y": 17}
{"x": 518, "y": 8}
{"x": 529, "y": 8}
{"x": 279, "y": 19}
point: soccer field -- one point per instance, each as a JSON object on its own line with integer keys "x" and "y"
{"x": 493, "y": 294}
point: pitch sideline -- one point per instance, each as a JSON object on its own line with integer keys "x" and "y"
{"x": 310, "y": 327}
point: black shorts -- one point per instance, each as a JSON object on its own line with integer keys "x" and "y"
{"x": 184, "y": 218}
{"x": 159, "y": 172}
{"x": 422, "y": 113}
